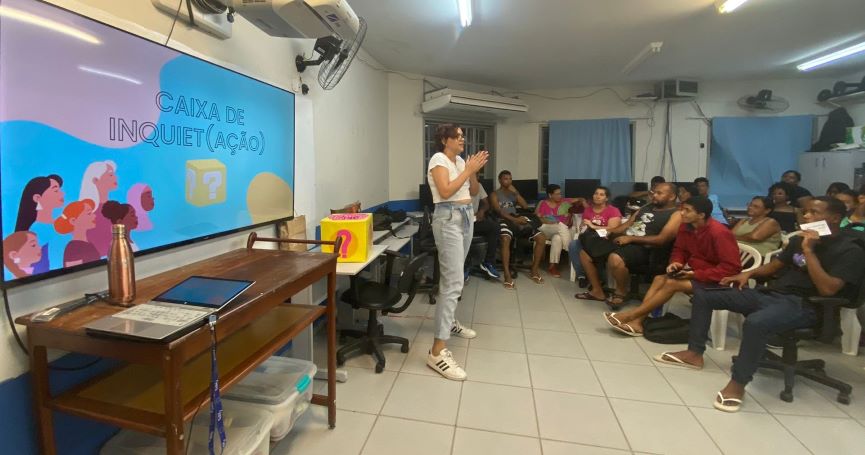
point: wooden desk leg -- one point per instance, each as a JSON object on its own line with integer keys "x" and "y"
{"x": 41, "y": 397}
{"x": 174, "y": 429}
{"x": 331, "y": 349}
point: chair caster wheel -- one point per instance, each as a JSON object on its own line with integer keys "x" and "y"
{"x": 843, "y": 399}
{"x": 379, "y": 368}
{"x": 432, "y": 300}
{"x": 404, "y": 349}
{"x": 787, "y": 396}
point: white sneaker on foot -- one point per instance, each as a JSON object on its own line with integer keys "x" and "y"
{"x": 446, "y": 365}
{"x": 463, "y": 332}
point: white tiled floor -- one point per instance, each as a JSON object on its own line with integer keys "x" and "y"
{"x": 547, "y": 377}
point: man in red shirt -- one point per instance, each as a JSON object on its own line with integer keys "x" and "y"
{"x": 705, "y": 251}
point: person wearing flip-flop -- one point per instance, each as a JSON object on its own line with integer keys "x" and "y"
{"x": 705, "y": 252}
{"x": 810, "y": 265}
{"x": 600, "y": 216}
{"x": 505, "y": 201}
{"x": 650, "y": 234}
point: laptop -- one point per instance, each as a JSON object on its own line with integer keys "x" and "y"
{"x": 184, "y": 306}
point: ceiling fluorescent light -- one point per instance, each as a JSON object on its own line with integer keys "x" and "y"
{"x": 33, "y": 19}
{"x": 109, "y": 74}
{"x": 650, "y": 50}
{"x": 727, "y": 6}
{"x": 820, "y": 61}
{"x": 465, "y": 7}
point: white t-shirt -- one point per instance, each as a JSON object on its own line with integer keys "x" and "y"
{"x": 454, "y": 170}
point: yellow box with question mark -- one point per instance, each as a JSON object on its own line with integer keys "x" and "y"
{"x": 206, "y": 182}
{"x": 356, "y": 232}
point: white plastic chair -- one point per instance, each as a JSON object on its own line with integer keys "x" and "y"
{"x": 751, "y": 259}
{"x": 576, "y": 221}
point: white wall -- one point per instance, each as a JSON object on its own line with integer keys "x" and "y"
{"x": 349, "y": 159}
{"x": 517, "y": 139}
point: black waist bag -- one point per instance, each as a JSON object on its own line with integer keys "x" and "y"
{"x": 667, "y": 329}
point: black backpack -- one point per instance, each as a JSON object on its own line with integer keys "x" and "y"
{"x": 667, "y": 329}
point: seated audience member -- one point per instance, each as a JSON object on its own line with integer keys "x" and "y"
{"x": 798, "y": 195}
{"x": 784, "y": 213}
{"x": 836, "y": 187}
{"x": 505, "y": 201}
{"x": 759, "y": 230}
{"x": 704, "y": 252}
{"x": 644, "y": 195}
{"x": 488, "y": 228}
{"x": 853, "y": 201}
{"x": 685, "y": 192}
{"x": 810, "y": 265}
{"x": 650, "y": 234}
{"x": 702, "y": 184}
{"x": 599, "y": 215}
{"x": 554, "y": 213}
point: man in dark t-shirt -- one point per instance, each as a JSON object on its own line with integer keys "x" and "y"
{"x": 644, "y": 240}
{"x": 798, "y": 195}
{"x": 831, "y": 265}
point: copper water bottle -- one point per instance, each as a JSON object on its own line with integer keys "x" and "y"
{"x": 121, "y": 268}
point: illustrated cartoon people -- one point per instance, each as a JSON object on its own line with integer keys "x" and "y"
{"x": 41, "y": 196}
{"x": 21, "y": 251}
{"x": 140, "y": 197}
{"x": 99, "y": 180}
{"x": 78, "y": 218}
{"x": 124, "y": 214}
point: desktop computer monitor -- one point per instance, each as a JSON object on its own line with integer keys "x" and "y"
{"x": 425, "y": 196}
{"x": 580, "y": 187}
{"x": 528, "y": 189}
{"x": 626, "y": 188}
{"x": 488, "y": 185}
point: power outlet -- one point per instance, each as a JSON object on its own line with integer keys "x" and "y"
{"x": 215, "y": 24}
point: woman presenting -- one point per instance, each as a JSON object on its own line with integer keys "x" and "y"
{"x": 452, "y": 181}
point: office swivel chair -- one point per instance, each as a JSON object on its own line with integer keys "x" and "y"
{"x": 825, "y": 330}
{"x": 426, "y": 244}
{"x": 380, "y": 297}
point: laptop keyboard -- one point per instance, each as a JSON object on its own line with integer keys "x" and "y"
{"x": 157, "y": 314}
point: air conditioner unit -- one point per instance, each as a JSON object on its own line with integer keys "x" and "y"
{"x": 676, "y": 88}
{"x": 460, "y": 103}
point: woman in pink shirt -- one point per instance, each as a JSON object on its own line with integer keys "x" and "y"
{"x": 600, "y": 217}
{"x": 554, "y": 212}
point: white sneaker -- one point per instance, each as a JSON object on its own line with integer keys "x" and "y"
{"x": 461, "y": 331}
{"x": 446, "y": 365}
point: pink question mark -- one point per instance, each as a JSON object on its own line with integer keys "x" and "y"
{"x": 346, "y": 240}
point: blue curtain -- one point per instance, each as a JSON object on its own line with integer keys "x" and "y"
{"x": 590, "y": 149}
{"x": 750, "y": 153}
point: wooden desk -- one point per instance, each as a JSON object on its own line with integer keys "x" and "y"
{"x": 164, "y": 383}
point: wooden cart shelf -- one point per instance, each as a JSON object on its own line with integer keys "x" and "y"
{"x": 134, "y": 393}
{"x": 160, "y": 385}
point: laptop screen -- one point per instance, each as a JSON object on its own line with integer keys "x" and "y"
{"x": 204, "y": 291}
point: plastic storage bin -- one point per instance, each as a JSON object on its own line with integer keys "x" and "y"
{"x": 282, "y": 386}
{"x": 246, "y": 428}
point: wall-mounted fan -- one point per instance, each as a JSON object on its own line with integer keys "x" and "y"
{"x": 335, "y": 55}
{"x": 763, "y": 101}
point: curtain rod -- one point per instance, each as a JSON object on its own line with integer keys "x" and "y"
{"x": 629, "y": 118}
{"x": 710, "y": 118}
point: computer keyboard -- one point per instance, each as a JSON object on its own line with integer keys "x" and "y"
{"x": 166, "y": 315}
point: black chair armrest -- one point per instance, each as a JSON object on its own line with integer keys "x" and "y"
{"x": 400, "y": 308}
{"x": 829, "y": 316}
{"x": 388, "y": 268}
{"x": 832, "y": 302}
